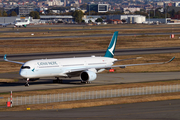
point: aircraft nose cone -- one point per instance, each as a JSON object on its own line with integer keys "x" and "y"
{"x": 22, "y": 73}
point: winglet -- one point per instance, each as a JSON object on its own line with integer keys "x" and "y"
{"x": 5, "y": 57}
{"x": 171, "y": 60}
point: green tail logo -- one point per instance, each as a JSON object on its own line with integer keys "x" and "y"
{"x": 111, "y": 48}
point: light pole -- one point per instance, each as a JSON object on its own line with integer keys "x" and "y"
{"x": 149, "y": 16}
{"x": 165, "y": 13}
{"x": 89, "y": 10}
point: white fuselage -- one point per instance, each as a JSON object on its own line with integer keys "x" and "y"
{"x": 21, "y": 24}
{"x": 61, "y": 67}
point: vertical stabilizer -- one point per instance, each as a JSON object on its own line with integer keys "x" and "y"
{"x": 112, "y": 45}
{"x": 28, "y": 20}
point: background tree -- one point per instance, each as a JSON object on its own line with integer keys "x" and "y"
{"x": 13, "y": 13}
{"x": 34, "y": 14}
{"x": 141, "y": 13}
{"x": 4, "y": 14}
{"x": 172, "y": 13}
{"x": 99, "y": 20}
{"x": 78, "y": 14}
{"x": 178, "y": 13}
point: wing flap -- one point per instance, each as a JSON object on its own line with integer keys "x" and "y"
{"x": 127, "y": 59}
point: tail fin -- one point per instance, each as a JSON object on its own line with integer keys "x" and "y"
{"x": 28, "y": 21}
{"x": 112, "y": 45}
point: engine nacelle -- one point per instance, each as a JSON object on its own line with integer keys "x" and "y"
{"x": 88, "y": 76}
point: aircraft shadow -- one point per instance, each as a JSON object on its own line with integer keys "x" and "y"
{"x": 21, "y": 82}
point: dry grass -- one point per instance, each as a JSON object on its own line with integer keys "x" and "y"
{"x": 96, "y": 102}
{"x": 82, "y": 89}
{"x": 88, "y": 43}
{"x": 150, "y": 58}
{"x": 7, "y": 80}
{"x": 61, "y": 26}
{"x": 88, "y": 32}
{"x": 81, "y": 44}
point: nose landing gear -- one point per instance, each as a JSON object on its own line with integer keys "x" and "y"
{"x": 27, "y": 84}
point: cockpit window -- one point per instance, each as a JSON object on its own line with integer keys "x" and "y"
{"x": 25, "y": 67}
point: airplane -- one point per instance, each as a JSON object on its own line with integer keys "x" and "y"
{"x": 22, "y": 24}
{"x": 5, "y": 24}
{"x": 84, "y": 67}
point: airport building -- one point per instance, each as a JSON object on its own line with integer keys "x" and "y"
{"x": 7, "y": 19}
{"x": 98, "y": 7}
{"x": 22, "y": 10}
{"x": 68, "y": 19}
{"x": 128, "y": 18}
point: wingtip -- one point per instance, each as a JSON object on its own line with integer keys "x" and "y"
{"x": 172, "y": 59}
{"x": 5, "y": 57}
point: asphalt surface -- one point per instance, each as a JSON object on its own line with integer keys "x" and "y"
{"x": 102, "y": 79}
{"x": 19, "y": 30}
{"x": 160, "y": 110}
{"x": 118, "y": 52}
{"x": 80, "y": 36}
{"x": 85, "y": 28}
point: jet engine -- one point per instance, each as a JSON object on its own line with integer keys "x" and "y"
{"x": 88, "y": 76}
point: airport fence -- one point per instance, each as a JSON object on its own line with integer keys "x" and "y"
{"x": 50, "y": 98}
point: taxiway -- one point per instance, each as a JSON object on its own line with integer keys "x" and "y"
{"x": 102, "y": 79}
{"x": 160, "y": 110}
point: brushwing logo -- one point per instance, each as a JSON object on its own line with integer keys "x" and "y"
{"x": 112, "y": 48}
{"x": 33, "y": 69}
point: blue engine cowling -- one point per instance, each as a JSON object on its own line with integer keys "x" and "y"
{"x": 88, "y": 76}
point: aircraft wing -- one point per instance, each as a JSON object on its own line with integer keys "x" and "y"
{"x": 5, "y": 59}
{"x": 5, "y": 23}
{"x": 75, "y": 70}
{"x": 123, "y": 66}
{"x": 127, "y": 59}
{"x": 79, "y": 70}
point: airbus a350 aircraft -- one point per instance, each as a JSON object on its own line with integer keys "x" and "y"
{"x": 85, "y": 67}
{"x": 22, "y": 24}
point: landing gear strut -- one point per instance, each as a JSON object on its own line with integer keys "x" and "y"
{"x": 26, "y": 84}
{"x": 57, "y": 80}
{"x": 86, "y": 82}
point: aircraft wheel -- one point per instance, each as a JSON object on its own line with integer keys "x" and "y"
{"x": 27, "y": 85}
{"x": 60, "y": 81}
{"x": 55, "y": 81}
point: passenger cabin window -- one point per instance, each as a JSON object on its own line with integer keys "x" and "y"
{"x": 25, "y": 67}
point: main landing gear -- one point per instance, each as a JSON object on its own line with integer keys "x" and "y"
{"x": 27, "y": 84}
{"x": 86, "y": 82}
{"x": 58, "y": 80}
